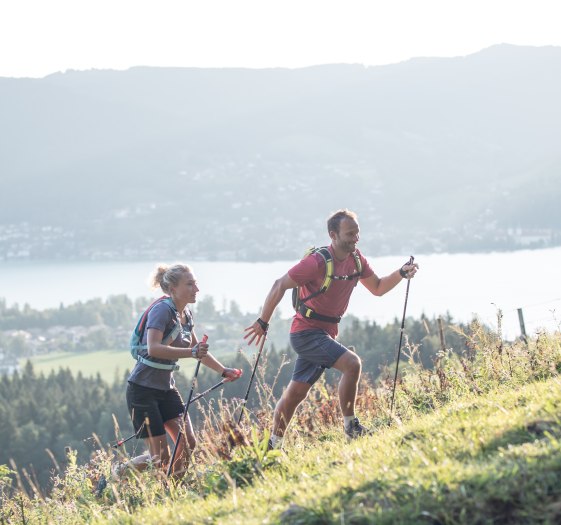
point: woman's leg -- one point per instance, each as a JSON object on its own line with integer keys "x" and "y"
{"x": 187, "y": 443}
{"x": 158, "y": 452}
{"x": 143, "y": 404}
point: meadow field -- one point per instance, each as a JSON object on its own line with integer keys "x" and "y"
{"x": 111, "y": 365}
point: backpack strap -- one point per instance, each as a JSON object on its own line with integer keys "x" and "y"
{"x": 166, "y": 340}
{"x": 300, "y": 305}
{"x": 161, "y": 366}
{"x": 328, "y": 259}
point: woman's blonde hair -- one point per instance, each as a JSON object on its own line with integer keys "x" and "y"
{"x": 165, "y": 276}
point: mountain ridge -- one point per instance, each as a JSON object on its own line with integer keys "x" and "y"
{"x": 455, "y": 131}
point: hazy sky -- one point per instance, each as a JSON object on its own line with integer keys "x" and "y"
{"x": 38, "y": 37}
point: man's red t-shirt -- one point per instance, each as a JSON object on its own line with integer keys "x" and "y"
{"x": 309, "y": 274}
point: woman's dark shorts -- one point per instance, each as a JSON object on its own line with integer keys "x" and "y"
{"x": 158, "y": 406}
{"x": 316, "y": 351}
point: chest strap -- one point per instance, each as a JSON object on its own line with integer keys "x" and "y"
{"x": 154, "y": 364}
{"x": 310, "y": 314}
{"x": 170, "y": 338}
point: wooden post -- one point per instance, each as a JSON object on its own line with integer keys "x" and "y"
{"x": 522, "y": 326}
{"x": 441, "y": 331}
{"x": 500, "y": 329}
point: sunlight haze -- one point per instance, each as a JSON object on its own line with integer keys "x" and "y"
{"x": 39, "y": 38}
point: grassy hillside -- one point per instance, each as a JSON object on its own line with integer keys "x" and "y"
{"x": 492, "y": 459}
{"x": 477, "y": 440}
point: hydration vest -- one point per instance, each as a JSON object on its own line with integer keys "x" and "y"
{"x": 299, "y": 303}
{"x": 139, "y": 351}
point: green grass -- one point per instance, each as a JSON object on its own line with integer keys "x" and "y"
{"x": 108, "y": 363}
{"x": 479, "y": 442}
{"x": 491, "y": 459}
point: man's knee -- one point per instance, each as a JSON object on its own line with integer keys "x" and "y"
{"x": 357, "y": 362}
{"x": 349, "y": 363}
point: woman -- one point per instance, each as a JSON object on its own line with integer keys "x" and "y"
{"x": 154, "y": 403}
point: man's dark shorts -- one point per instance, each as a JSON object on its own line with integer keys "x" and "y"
{"x": 316, "y": 351}
{"x": 158, "y": 406}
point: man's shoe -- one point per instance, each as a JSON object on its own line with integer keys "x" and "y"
{"x": 354, "y": 429}
{"x": 271, "y": 445}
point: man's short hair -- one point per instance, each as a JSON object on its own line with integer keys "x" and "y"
{"x": 334, "y": 222}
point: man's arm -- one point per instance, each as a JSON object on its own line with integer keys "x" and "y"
{"x": 381, "y": 285}
{"x": 274, "y": 297}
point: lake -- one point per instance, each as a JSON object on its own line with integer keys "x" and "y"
{"x": 462, "y": 284}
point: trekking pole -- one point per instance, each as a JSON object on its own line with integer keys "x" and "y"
{"x": 411, "y": 259}
{"x": 252, "y": 376}
{"x": 121, "y": 442}
{"x": 203, "y": 394}
{"x": 185, "y": 413}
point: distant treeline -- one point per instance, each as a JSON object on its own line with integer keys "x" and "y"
{"x": 107, "y": 324}
{"x": 50, "y": 412}
{"x": 114, "y": 312}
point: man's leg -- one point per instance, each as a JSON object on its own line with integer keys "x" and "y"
{"x": 350, "y": 366}
{"x": 294, "y": 394}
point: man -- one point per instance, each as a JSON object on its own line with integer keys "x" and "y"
{"x": 314, "y": 328}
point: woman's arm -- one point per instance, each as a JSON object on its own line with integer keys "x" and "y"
{"x": 230, "y": 374}
{"x": 160, "y": 351}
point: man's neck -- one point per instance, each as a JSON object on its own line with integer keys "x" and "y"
{"x": 339, "y": 255}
